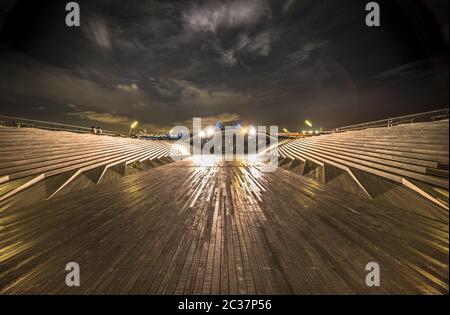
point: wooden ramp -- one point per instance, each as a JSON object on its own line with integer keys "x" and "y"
{"x": 227, "y": 228}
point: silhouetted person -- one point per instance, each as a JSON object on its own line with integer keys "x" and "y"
{"x": 93, "y": 130}
{"x": 99, "y": 131}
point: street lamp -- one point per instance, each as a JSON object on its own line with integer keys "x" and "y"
{"x": 133, "y": 125}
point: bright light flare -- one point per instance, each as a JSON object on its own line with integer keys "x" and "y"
{"x": 209, "y": 131}
{"x": 252, "y": 131}
{"x": 201, "y": 133}
{"x": 133, "y": 125}
{"x": 308, "y": 123}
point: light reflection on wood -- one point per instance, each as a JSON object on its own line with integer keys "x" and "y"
{"x": 225, "y": 227}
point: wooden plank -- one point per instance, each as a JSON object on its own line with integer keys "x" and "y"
{"x": 227, "y": 228}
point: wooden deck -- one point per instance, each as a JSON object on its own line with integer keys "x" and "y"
{"x": 226, "y": 228}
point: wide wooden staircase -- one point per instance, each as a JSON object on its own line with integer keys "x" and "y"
{"x": 404, "y": 165}
{"x": 37, "y": 164}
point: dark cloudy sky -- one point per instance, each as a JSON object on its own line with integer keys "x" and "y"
{"x": 260, "y": 61}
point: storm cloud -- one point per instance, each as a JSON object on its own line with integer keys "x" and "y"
{"x": 258, "y": 61}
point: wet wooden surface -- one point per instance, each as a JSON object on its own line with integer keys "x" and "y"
{"x": 225, "y": 228}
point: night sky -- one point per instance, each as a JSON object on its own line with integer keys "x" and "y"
{"x": 255, "y": 61}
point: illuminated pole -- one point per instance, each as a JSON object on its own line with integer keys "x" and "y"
{"x": 309, "y": 124}
{"x": 133, "y": 125}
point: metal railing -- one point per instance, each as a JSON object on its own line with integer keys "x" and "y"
{"x": 18, "y": 122}
{"x": 390, "y": 122}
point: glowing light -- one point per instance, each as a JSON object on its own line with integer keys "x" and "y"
{"x": 244, "y": 130}
{"x": 285, "y": 130}
{"x": 201, "y": 133}
{"x": 209, "y": 131}
{"x": 308, "y": 123}
{"x": 252, "y": 131}
{"x": 131, "y": 127}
